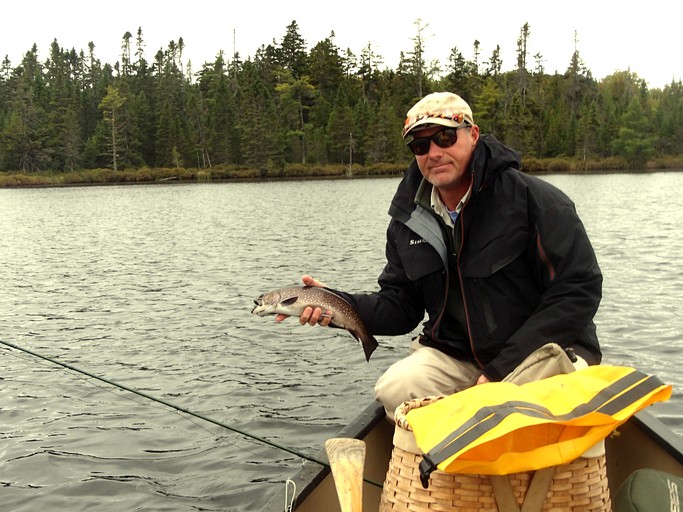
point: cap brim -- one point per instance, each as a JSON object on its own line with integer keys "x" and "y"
{"x": 431, "y": 121}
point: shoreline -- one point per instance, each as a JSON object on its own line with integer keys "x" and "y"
{"x": 165, "y": 176}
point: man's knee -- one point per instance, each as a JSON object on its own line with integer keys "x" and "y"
{"x": 426, "y": 372}
{"x": 392, "y": 388}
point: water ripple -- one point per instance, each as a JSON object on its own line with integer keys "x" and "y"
{"x": 151, "y": 287}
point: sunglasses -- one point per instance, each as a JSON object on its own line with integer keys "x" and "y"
{"x": 443, "y": 138}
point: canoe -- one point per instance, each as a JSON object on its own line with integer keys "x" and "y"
{"x": 643, "y": 442}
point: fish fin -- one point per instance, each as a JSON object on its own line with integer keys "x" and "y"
{"x": 369, "y": 347}
{"x": 334, "y": 292}
{"x": 290, "y": 301}
{"x": 368, "y": 341}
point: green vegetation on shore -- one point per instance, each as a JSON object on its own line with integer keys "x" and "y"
{"x": 294, "y": 111}
{"x": 295, "y": 171}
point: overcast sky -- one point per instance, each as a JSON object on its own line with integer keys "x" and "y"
{"x": 611, "y": 35}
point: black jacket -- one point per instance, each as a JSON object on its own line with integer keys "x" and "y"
{"x": 528, "y": 272}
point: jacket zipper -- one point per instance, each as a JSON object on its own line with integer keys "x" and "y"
{"x": 443, "y": 308}
{"x": 462, "y": 288}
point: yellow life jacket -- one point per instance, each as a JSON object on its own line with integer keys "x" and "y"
{"x": 501, "y": 428}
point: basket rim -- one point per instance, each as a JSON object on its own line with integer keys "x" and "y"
{"x": 407, "y": 406}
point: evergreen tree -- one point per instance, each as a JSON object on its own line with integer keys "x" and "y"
{"x": 635, "y": 141}
{"x": 522, "y": 53}
{"x": 340, "y": 129}
{"x": 111, "y": 108}
{"x": 70, "y": 144}
{"x": 384, "y": 142}
{"x": 325, "y": 70}
{"x": 61, "y": 103}
{"x": 556, "y": 118}
{"x": 668, "y": 119}
{"x": 607, "y": 122}
{"x": 488, "y": 111}
{"x": 295, "y": 98}
{"x": 214, "y": 112}
{"x": 292, "y": 52}
{"x": 417, "y": 58}
{"x": 368, "y": 72}
{"x": 461, "y": 76}
{"x": 361, "y": 126}
{"x": 25, "y": 138}
{"x": 261, "y": 137}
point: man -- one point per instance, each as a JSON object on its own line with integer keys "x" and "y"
{"x": 498, "y": 260}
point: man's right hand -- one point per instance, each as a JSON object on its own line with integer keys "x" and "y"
{"x": 310, "y": 315}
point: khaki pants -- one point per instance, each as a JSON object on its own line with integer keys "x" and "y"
{"x": 425, "y": 372}
{"x": 429, "y": 372}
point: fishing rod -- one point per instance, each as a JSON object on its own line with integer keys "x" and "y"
{"x": 172, "y": 406}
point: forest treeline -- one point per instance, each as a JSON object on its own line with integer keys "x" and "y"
{"x": 324, "y": 106}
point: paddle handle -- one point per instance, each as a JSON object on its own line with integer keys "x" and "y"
{"x": 347, "y": 459}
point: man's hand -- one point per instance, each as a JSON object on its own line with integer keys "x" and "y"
{"x": 483, "y": 379}
{"x": 311, "y": 316}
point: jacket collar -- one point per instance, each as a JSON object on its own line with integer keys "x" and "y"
{"x": 490, "y": 158}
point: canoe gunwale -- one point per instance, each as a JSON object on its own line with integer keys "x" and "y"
{"x": 312, "y": 473}
{"x": 660, "y": 433}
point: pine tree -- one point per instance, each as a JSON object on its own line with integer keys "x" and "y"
{"x": 325, "y": 67}
{"x": 25, "y": 138}
{"x": 635, "y": 141}
{"x": 295, "y": 98}
{"x": 340, "y": 129}
{"x": 292, "y": 52}
{"x": 111, "y": 109}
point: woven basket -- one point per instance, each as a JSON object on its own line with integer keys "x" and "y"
{"x": 580, "y": 485}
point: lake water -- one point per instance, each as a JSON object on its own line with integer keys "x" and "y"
{"x": 152, "y": 286}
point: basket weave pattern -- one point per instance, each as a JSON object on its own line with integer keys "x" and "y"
{"x": 580, "y": 485}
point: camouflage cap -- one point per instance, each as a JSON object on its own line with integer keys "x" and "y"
{"x": 442, "y": 108}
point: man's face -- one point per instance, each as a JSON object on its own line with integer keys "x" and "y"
{"x": 447, "y": 167}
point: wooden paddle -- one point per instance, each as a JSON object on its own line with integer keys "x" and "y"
{"x": 347, "y": 458}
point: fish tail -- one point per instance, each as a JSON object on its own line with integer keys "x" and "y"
{"x": 369, "y": 345}
{"x": 366, "y": 339}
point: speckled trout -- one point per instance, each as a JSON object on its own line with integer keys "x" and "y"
{"x": 293, "y": 300}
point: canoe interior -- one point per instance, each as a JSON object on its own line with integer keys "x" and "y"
{"x": 642, "y": 442}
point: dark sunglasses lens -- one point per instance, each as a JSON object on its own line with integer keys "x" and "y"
{"x": 445, "y": 138}
{"x": 420, "y": 146}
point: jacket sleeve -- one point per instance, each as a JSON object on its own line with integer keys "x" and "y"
{"x": 571, "y": 288}
{"x": 396, "y": 308}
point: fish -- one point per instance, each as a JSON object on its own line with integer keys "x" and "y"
{"x": 293, "y": 300}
